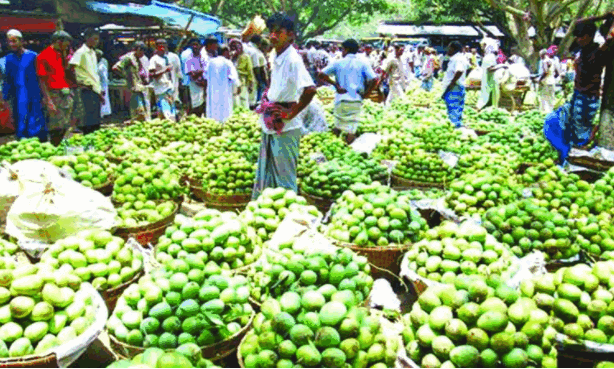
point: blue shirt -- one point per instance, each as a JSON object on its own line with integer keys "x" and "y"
{"x": 351, "y": 73}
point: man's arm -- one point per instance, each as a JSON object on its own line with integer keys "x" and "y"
{"x": 306, "y": 97}
{"x": 594, "y": 19}
{"x": 457, "y": 76}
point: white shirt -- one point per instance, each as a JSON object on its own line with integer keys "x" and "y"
{"x": 311, "y": 55}
{"x": 176, "y": 67}
{"x": 457, "y": 63}
{"x": 163, "y": 83}
{"x": 255, "y": 54}
{"x": 185, "y": 56}
{"x": 289, "y": 78}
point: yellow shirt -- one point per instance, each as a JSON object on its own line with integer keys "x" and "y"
{"x": 86, "y": 68}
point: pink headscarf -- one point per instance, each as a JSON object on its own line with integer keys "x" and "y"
{"x": 552, "y": 50}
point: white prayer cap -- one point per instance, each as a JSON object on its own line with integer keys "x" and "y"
{"x": 14, "y": 33}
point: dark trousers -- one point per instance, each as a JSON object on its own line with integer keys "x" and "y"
{"x": 91, "y": 107}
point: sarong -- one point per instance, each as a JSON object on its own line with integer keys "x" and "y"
{"x": 278, "y": 161}
{"x": 455, "y": 101}
{"x": 347, "y": 115}
{"x": 571, "y": 124}
{"x": 64, "y": 105}
{"x": 138, "y": 110}
{"x": 166, "y": 105}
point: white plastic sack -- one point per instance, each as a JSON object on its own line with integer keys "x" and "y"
{"x": 366, "y": 143}
{"x": 58, "y": 209}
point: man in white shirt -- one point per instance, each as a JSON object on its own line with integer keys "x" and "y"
{"x": 195, "y": 67}
{"x": 454, "y": 84}
{"x": 160, "y": 71}
{"x": 185, "y": 81}
{"x": 251, "y": 49}
{"x": 220, "y": 77}
{"x": 259, "y": 64}
{"x": 84, "y": 65}
{"x": 354, "y": 80}
{"x": 291, "y": 91}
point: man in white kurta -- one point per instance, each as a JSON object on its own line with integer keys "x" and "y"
{"x": 195, "y": 67}
{"x": 221, "y": 77}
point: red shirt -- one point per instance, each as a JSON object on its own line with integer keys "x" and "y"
{"x": 49, "y": 64}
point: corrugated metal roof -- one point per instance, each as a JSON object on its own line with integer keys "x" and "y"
{"x": 431, "y": 30}
{"x": 171, "y": 15}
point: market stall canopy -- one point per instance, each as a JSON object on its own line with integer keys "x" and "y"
{"x": 436, "y": 30}
{"x": 171, "y": 15}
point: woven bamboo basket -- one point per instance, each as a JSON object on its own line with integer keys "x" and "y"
{"x": 321, "y": 203}
{"x": 225, "y": 348}
{"x": 582, "y": 354}
{"x": 105, "y": 188}
{"x": 326, "y": 100}
{"x": 239, "y": 356}
{"x": 386, "y": 258}
{"x": 32, "y": 361}
{"x": 227, "y": 202}
{"x": 554, "y": 265}
{"x": 111, "y": 295}
{"x": 148, "y": 233}
{"x": 591, "y": 163}
{"x": 213, "y": 352}
{"x": 406, "y": 183}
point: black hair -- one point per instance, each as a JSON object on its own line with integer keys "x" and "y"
{"x": 350, "y": 45}
{"x": 211, "y": 40}
{"x": 193, "y": 40}
{"x": 223, "y": 49}
{"x": 585, "y": 28}
{"x": 280, "y": 20}
{"x": 256, "y": 39}
{"x": 90, "y": 32}
{"x": 455, "y": 46}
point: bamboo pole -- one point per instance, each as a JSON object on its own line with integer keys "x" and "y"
{"x": 185, "y": 37}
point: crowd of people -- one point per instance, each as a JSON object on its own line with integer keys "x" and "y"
{"x": 61, "y": 87}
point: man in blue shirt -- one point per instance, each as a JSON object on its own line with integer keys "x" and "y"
{"x": 354, "y": 80}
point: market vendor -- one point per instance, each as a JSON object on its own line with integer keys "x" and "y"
{"x": 291, "y": 90}
{"x": 354, "y": 80}
{"x": 51, "y": 67}
{"x": 195, "y": 67}
{"x": 160, "y": 72}
{"x": 572, "y": 124}
{"x": 131, "y": 67}
{"x": 394, "y": 75}
{"x": 454, "y": 84}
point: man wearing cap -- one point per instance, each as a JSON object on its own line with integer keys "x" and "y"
{"x": 22, "y": 90}
{"x": 51, "y": 66}
{"x": 85, "y": 67}
{"x": 354, "y": 80}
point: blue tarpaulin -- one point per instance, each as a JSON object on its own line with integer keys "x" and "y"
{"x": 171, "y": 15}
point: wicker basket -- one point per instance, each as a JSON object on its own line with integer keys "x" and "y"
{"x": 223, "y": 349}
{"x": 46, "y": 361}
{"x": 213, "y": 352}
{"x": 406, "y": 183}
{"x": 114, "y": 159}
{"x": 321, "y": 203}
{"x": 148, "y": 233}
{"x": 386, "y": 258}
{"x": 554, "y": 265}
{"x": 105, "y": 188}
{"x": 111, "y": 295}
{"x": 591, "y": 163}
{"x": 582, "y": 354}
{"x": 227, "y": 202}
{"x": 239, "y": 356}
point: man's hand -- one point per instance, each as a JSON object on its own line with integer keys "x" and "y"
{"x": 284, "y": 113}
{"x": 51, "y": 106}
{"x": 341, "y": 90}
{"x": 101, "y": 96}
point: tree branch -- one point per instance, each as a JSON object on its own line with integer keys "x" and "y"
{"x": 506, "y": 8}
{"x": 319, "y": 31}
{"x": 561, "y": 8}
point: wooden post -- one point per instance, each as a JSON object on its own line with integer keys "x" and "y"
{"x": 59, "y": 24}
{"x": 183, "y": 40}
